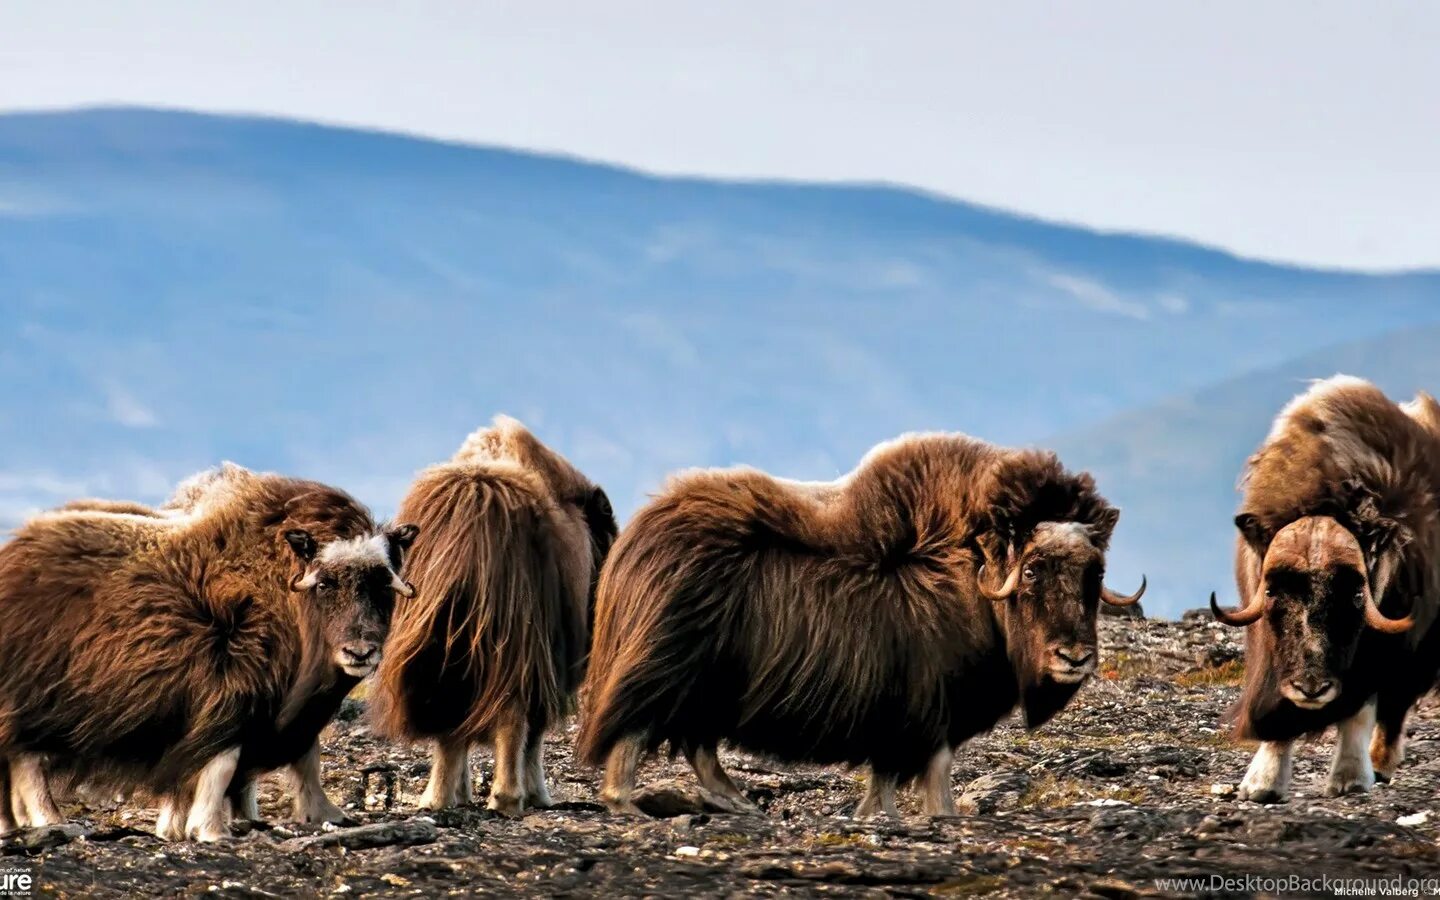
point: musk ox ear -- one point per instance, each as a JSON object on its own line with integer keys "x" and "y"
{"x": 402, "y": 536}
{"x": 1383, "y": 535}
{"x": 303, "y": 543}
{"x": 1103, "y": 526}
{"x": 600, "y": 519}
{"x": 1254, "y": 532}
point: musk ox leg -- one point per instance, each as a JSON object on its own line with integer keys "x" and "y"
{"x": 449, "y": 775}
{"x": 207, "y": 821}
{"x": 170, "y": 820}
{"x": 311, "y": 804}
{"x": 537, "y": 794}
{"x": 507, "y": 789}
{"x": 879, "y": 797}
{"x": 1268, "y": 778}
{"x": 716, "y": 780}
{"x": 30, "y": 788}
{"x": 620, "y": 768}
{"x": 939, "y": 792}
{"x": 1387, "y": 748}
{"x": 7, "y": 818}
{"x": 1350, "y": 771}
{"x": 245, "y": 802}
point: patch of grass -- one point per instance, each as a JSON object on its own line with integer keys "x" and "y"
{"x": 362, "y": 691}
{"x": 833, "y": 839}
{"x": 1051, "y": 791}
{"x": 1122, "y": 664}
{"x": 1229, "y": 673}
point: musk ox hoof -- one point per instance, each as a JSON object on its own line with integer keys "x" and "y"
{"x": 1342, "y": 783}
{"x": 540, "y": 800}
{"x": 624, "y": 808}
{"x": 505, "y": 804}
{"x": 1258, "y": 794}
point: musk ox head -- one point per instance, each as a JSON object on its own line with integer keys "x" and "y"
{"x": 1050, "y": 599}
{"x": 353, "y": 583}
{"x": 1319, "y": 588}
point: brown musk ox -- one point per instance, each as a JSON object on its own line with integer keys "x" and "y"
{"x": 879, "y": 620}
{"x": 493, "y": 647}
{"x": 182, "y": 653}
{"x": 1337, "y": 563}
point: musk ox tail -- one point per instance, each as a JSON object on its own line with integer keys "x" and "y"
{"x": 660, "y": 608}
{"x": 494, "y": 628}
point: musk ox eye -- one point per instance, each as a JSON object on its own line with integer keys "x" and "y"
{"x": 1029, "y": 574}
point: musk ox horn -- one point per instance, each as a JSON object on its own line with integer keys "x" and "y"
{"x": 1378, "y": 621}
{"x": 1006, "y": 589}
{"x": 402, "y": 587}
{"x": 1240, "y": 617}
{"x": 1115, "y": 599}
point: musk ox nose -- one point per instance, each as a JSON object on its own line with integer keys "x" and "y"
{"x": 1312, "y": 688}
{"x": 360, "y": 654}
{"x": 1075, "y": 656}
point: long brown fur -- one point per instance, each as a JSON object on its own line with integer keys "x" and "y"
{"x": 511, "y": 538}
{"x": 830, "y": 623}
{"x": 135, "y": 646}
{"x": 1346, "y": 451}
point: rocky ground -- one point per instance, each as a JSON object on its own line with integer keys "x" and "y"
{"x": 1134, "y": 783}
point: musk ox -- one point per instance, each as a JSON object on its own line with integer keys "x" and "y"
{"x": 183, "y": 652}
{"x": 1338, "y": 567}
{"x": 882, "y": 619}
{"x": 493, "y": 647}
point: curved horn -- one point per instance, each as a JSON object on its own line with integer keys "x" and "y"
{"x": 302, "y": 582}
{"x": 1240, "y": 617}
{"x": 1006, "y": 589}
{"x": 402, "y": 587}
{"x": 1378, "y": 621}
{"x": 1115, "y": 599}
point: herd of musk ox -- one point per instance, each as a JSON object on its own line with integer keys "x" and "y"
{"x": 179, "y": 652}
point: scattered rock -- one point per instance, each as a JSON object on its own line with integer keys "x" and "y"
{"x": 991, "y": 792}
{"x": 672, "y": 797}
{"x": 364, "y": 837}
{"x": 37, "y": 840}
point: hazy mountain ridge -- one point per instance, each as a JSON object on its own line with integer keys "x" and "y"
{"x": 180, "y": 288}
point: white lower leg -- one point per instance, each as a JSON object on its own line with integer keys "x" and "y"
{"x": 170, "y": 820}
{"x": 311, "y": 804}
{"x": 879, "y": 797}
{"x": 620, "y": 768}
{"x": 506, "y": 790}
{"x": 449, "y": 775}
{"x": 1350, "y": 770}
{"x": 537, "y": 794}
{"x": 939, "y": 798}
{"x": 7, "y": 818}
{"x": 245, "y": 805}
{"x": 206, "y": 821}
{"x": 1268, "y": 778}
{"x": 34, "y": 807}
{"x": 715, "y": 779}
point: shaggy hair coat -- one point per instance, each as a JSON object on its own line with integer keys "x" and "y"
{"x": 136, "y": 645}
{"x": 511, "y": 539}
{"x": 830, "y": 623}
{"x": 1346, "y": 451}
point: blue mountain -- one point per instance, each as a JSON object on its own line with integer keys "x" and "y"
{"x": 179, "y": 288}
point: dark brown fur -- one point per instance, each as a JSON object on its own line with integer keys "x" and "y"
{"x": 841, "y": 622}
{"x": 511, "y": 538}
{"x": 1344, "y": 452}
{"x": 135, "y": 646}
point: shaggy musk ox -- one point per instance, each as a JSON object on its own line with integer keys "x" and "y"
{"x": 492, "y": 649}
{"x": 1338, "y": 565}
{"x": 882, "y": 619}
{"x": 183, "y": 651}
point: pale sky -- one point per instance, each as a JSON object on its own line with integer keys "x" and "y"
{"x": 1299, "y": 131}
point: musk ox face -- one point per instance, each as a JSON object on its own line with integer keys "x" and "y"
{"x": 354, "y": 583}
{"x": 1051, "y": 602}
{"x": 1054, "y": 607}
{"x": 1315, "y": 589}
